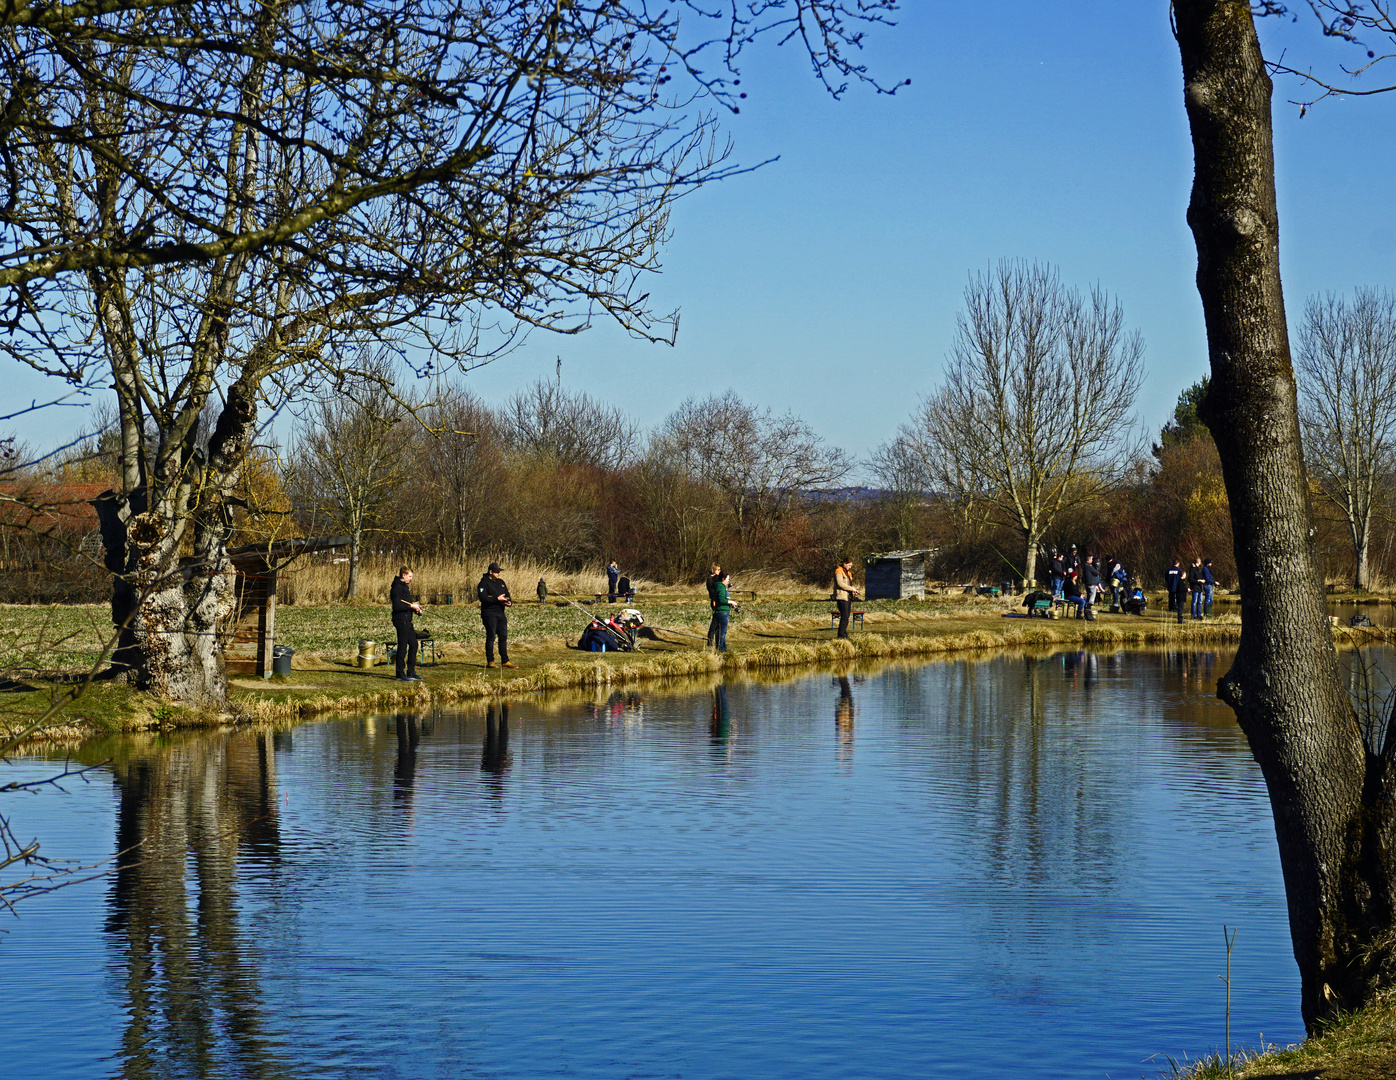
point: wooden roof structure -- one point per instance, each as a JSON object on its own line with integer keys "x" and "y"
{"x": 897, "y": 575}
{"x": 251, "y": 639}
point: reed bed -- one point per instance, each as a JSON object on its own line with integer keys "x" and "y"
{"x": 319, "y": 582}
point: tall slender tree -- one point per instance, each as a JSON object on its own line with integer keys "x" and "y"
{"x": 1331, "y": 773}
{"x": 1034, "y": 412}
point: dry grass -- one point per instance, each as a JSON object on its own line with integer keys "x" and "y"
{"x": 1360, "y": 1046}
{"x": 323, "y": 582}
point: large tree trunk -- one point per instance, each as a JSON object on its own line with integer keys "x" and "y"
{"x": 170, "y": 609}
{"x": 1330, "y": 787}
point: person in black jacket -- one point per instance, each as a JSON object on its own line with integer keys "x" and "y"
{"x": 1177, "y": 586}
{"x": 403, "y": 609}
{"x": 1090, "y": 586}
{"x": 494, "y": 599}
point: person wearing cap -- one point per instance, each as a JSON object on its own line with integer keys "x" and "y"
{"x": 403, "y": 609}
{"x": 494, "y": 599}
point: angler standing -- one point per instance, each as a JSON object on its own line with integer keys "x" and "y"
{"x": 713, "y": 579}
{"x": 494, "y": 599}
{"x": 845, "y": 592}
{"x": 404, "y": 607}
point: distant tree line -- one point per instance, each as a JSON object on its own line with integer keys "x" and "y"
{"x": 553, "y": 475}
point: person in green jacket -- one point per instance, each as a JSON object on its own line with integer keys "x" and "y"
{"x": 722, "y": 610}
{"x": 713, "y": 578}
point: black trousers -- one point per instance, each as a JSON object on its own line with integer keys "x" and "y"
{"x": 496, "y": 626}
{"x": 845, "y": 610}
{"x": 406, "y": 646}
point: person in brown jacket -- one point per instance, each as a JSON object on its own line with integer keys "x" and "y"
{"x": 845, "y": 592}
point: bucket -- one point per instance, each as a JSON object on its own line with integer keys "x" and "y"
{"x": 281, "y": 660}
{"x": 368, "y": 653}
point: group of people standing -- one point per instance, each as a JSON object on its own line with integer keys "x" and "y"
{"x": 1195, "y": 581}
{"x": 494, "y": 599}
{"x": 1082, "y": 579}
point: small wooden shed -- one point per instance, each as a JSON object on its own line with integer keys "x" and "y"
{"x": 251, "y": 635}
{"x": 897, "y": 575}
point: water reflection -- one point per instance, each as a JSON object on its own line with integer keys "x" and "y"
{"x": 722, "y": 714}
{"x": 843, "y": 718}
{"x": 190, "y": 979}
{"x": 708, "y": 884}
{"x": 405, "y": 772}
{"x": 494, "y": 757}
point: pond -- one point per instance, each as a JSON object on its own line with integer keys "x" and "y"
{"x": 1013, "y": 865}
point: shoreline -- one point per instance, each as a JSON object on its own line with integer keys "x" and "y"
{"x": 322, "y": 684}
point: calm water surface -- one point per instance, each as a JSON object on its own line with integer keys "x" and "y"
{"x": 1017, "y": 866}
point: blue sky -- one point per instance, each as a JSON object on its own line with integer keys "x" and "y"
{"x": 828, "y": 282}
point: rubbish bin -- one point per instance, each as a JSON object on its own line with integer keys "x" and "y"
{"x": 281, "y": 660}
{"x": 368, "y": 653}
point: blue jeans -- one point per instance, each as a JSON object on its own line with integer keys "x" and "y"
{"x": 1197, "y": 605}
{"x": 1057, "y": 586}
{"x": 720, "y": 618}
{"x": 1208, "y": 597}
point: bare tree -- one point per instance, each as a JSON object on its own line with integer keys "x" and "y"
{"x": 569, "y": 427}
{"x": 349, "y": 466}
{"x": 210, "y": 205}
{"x": 762, "y": 463}
{"x": 458, "y": 470}
{"x": 681, "y": 518}
{"x": 1038, "y": 394}
{"x": 903, "y": 472}
{"x": 1346, "y": 368}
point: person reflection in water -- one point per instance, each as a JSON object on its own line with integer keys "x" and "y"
{"x": 494, "y": 759}
{"x": 722, "y": 715}
{"x": 843, "y": 717}
{"x": 408, "y": 735}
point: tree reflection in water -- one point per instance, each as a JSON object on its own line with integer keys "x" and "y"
{"x": 191, "y": 975}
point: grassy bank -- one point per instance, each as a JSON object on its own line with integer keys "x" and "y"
{"x": 1361, "y": 1046}
{"x": 784, "y": 632}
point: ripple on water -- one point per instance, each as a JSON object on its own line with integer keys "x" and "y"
{"x": 1002, "y": 866}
